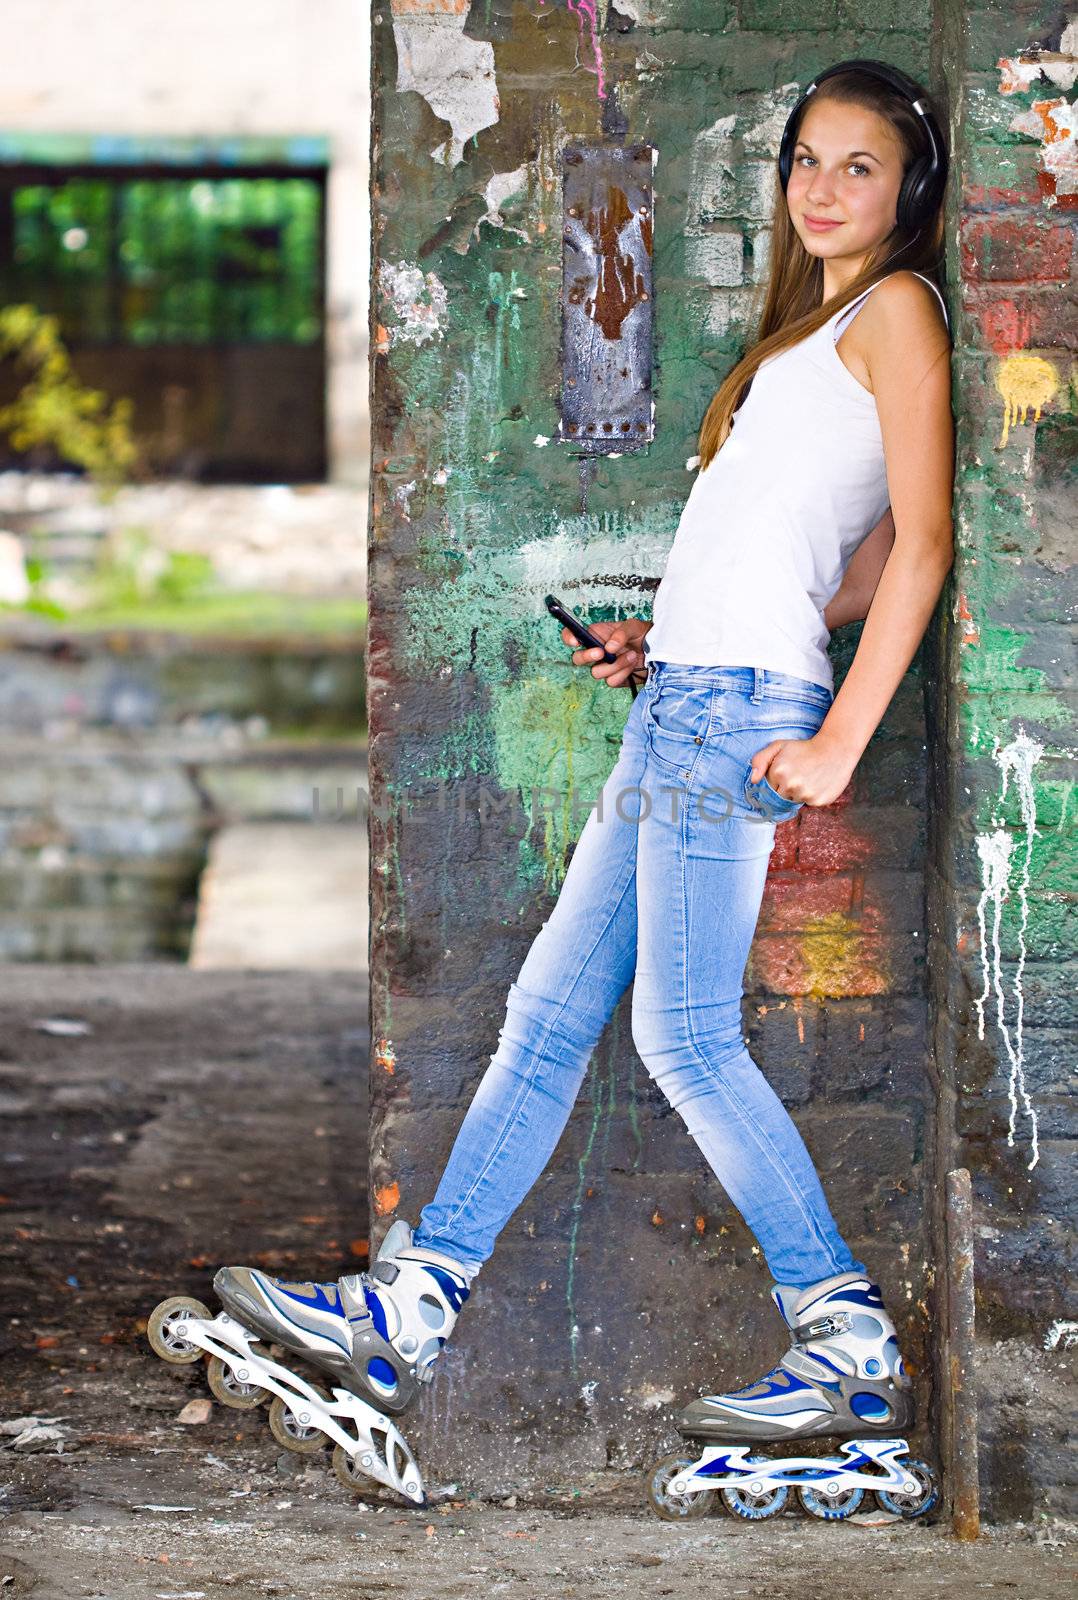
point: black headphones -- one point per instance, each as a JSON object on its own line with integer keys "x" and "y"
{"x": 924, "y": 180}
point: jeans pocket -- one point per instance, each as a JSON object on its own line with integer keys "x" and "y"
{"x": 680, "y": 713}
{"x": 793, "y": 723}
{"x": 762, "y": 797}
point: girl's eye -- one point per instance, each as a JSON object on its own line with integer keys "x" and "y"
{"x": 860, "y": 166}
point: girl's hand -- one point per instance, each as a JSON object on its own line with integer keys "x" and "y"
{"x": 625, "y": 639}
{"x": 813, "y": 770}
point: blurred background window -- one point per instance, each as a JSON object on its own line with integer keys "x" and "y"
{"x": 137, "y": 260}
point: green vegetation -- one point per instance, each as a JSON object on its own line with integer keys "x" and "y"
{"x": 238, "y": 613}
{"x": 161, "y": 260}
{"x": 138, "y": 585}
{"x": 53, "y": 408}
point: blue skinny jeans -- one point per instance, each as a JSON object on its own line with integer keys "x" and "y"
{"x": 663, "y": 890}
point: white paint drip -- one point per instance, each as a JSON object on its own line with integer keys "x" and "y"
{"x": 996, "y": 851}
{"x": 1061, "y": 1333}
{"x": 404, "y": 286}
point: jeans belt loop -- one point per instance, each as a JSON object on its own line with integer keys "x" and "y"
{"x": 757, "y": 684}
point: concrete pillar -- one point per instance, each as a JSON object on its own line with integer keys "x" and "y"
{"x": 1001, "y": 866}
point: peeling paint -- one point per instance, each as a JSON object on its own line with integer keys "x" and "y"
{"x": 454, "y": 74}
{"x": 385, "y": 1056}
{"x": 1059, "y": 67}
{"x": 1052, "y": 122}
{"x": 996, "y": 851}
{"x": 1061, "y": 1333}
{"x": 963, "y": 615}
{"x": 500, "y": 188}
{"x": 418, "y": 298}
{"x": 401, "y": 498}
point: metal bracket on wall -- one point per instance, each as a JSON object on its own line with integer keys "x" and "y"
{"x": 607, "y": 300}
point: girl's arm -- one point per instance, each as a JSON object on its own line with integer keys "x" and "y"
{"x": 907, "y": 352}
{"x": 852, "y": 598}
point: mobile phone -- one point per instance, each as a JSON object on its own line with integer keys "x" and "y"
{"x": 578, "y": 629}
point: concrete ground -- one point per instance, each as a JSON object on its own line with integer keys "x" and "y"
{"x": 159, "y": 1120}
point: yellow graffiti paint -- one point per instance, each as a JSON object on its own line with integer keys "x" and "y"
{"x": 1024, "y": 381}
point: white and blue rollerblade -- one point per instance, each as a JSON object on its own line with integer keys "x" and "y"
{"x": 842, "y": 1376}
{"x": 376, "y": 1334}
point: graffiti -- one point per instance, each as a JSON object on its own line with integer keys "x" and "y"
{"x": 584, "y": 11}
{"x": 1024, "y": 381}
{"x": 997, "y": 851}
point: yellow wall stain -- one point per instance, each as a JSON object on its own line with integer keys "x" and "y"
{"x": 1024, "y": 381}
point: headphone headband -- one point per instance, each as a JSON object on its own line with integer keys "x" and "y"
{"x": 924, "y": 180}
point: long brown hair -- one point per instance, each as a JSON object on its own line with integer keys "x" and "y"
{"x": 793, "y": 306}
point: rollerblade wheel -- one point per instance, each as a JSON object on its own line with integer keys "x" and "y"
{"x": 759, "y": 1499}
{"x": 348, "y": 1470}
{"x": 833, "y": 1506}
{"x": 164, "y": 1329}
{"x": 912, "y": 1505}
{"x": 676, "y": 1507}
{"x": 352, "y": 1472}
{"x": 286, "y": 1426}
{"x": 232, "y": 1390}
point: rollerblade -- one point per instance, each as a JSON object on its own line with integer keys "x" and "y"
{"x": 377, "y": 1336}
{"x": 842, "y": 1376}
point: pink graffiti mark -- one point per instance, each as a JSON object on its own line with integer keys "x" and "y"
{"x": 585, "y": 11}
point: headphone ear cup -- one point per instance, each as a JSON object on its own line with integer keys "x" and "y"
{"x": 786, "y": 152}
{"x": 915, "y": 199}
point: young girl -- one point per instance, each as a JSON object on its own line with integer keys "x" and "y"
{"x": 823, "y": 496}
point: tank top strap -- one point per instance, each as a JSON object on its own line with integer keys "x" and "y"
{"x": 846, "y": 315}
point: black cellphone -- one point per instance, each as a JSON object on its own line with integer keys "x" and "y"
{"x": 578, "y": 629}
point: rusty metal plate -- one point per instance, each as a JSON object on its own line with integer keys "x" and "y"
{"x": 606, "y": 398}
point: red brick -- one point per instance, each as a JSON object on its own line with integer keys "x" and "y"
{"x": 999, "y": 250}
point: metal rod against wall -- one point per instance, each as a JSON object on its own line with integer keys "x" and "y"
{"x": 961, "y": 1325}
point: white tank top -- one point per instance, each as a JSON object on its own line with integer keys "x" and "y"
{"x": 771, "y": 522}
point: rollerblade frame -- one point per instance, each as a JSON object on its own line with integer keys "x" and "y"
{"x": 756, "y": 1487}
{"x": 367, "y": 1444}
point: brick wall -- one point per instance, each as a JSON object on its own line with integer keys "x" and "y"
{"x": 625, "y": 1282}
{"x": 1001, "y": 879}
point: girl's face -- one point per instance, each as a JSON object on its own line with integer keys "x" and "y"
{"x": 847, "y": 170}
